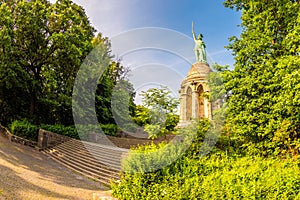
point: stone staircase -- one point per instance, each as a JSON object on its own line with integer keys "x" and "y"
{"x": 99, "y": 162}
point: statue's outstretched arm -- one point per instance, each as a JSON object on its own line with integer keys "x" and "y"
{"x": 193, "y": 32}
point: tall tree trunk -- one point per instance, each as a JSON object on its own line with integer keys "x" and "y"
{"x": 32, "y": 104}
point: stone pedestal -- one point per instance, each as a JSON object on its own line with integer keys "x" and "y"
{"x": 193, "y": 103}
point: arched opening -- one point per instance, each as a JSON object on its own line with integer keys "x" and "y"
{"x": 200, "y": 102}
{"x": 188, "y": 103}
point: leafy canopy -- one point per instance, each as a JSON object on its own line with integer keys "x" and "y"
{"x": 42, "y": 47}
{"x": 263, "y": 106}
{"x": 162, "y": 107}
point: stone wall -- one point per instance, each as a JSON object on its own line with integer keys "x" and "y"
{"x": 16, "y": 139}
{"x": 48, "y": 139}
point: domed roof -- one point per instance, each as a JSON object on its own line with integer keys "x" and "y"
{"x": 199, "y": 70}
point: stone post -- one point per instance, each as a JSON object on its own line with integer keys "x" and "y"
{"x": 42, "y": 139}
{"x": 92, "y": 137}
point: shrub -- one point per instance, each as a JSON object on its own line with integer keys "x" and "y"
{"x": 214, "y": 176}
{"x": 69, "y": 131}
{"x": 200, "y": 128}
{"x": 217, "y": 176}
{"x": 24, "y": 129}
{"x": 171, "y": 121}
{"x": 109, "y": 129}
{"x": 142, "y": 115}
{"x": 153, "y": 130}
{"x": 162, "y": 129}
{"x": 130, "y": 127}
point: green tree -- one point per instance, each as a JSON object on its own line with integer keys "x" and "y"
{"x": 13, "y": 94}
{"x": 263, "y": 107}
{"x": 141, "y": 115}
{"x": 161, "y": 98}
{"x": 42, "y": 47}
{"x": 122, "y": 104}
{"x": 94, "y": 88}
{"x": 114, "y": 78}
{"x": 162, "y": 107}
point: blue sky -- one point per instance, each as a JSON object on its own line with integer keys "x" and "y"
{"x": 151, "y": 67}
{"x": 211, "y": 18}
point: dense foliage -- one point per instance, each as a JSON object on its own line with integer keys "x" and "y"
{"x": 42, "y": 47}
{"x": 25, "y": 129}
{"x": 215, "y": 177}
{"x": 221, "y": 175}
{"x": 158, "y": 112}
{"x": 141, "y": 115}
{"x": 109, "y": 129}
{"x": 150, "y": 158}
{"x": 263, "y": 105}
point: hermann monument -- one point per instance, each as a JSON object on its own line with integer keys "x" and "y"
{"x": 193, "y": 101}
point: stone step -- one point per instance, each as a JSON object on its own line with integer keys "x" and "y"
{"x": 87, "y": 158}
{"x": 112, "y": 161}
{"x": 94, "y": 152}
{"x": 97, "y": 147}
{"x": 87, "y": 166}
{"x": 99, "y": 162}
{"x": 75, "y": 168}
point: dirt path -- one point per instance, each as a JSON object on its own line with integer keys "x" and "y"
{"x": 26, "y": 174}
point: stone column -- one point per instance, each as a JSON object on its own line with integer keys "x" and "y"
{"x": 206, "y": 108}
{"x": 194, "y": 104}
{"x": 183, "y": 107}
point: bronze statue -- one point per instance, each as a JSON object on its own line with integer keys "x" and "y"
{"x": 199, "y": 47}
